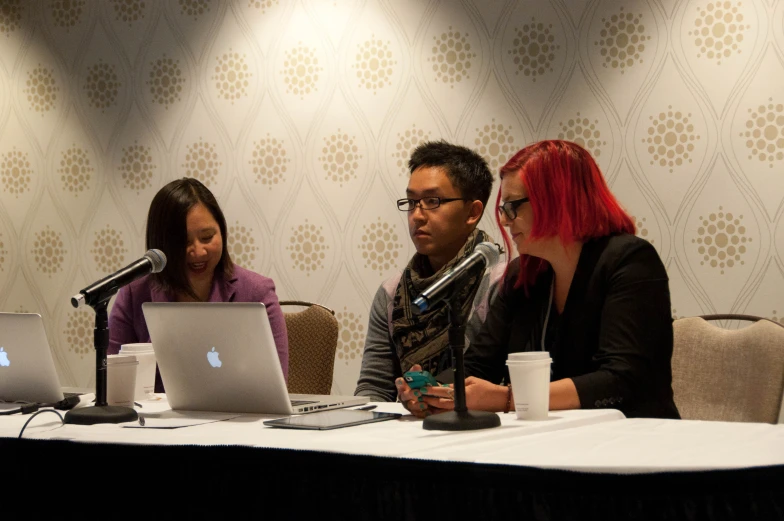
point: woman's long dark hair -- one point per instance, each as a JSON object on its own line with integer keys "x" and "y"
{"x": 167, "y": 231}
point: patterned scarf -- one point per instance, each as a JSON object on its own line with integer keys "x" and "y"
{"x": 423, "y": 339}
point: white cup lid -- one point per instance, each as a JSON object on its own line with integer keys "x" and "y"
{"x": 527, "y": 363}
{"x": 121, "y": 359}
{"x": 528, "y": 356}
{"x": 131, "y": 348}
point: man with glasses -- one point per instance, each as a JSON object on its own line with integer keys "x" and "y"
{"x": 446, "y": 196}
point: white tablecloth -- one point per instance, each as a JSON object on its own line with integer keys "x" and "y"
{"x": 590, "y": 440}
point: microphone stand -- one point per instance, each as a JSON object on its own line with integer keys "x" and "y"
{"x": 101, "y": 412}
{"x": 460, "y": 419}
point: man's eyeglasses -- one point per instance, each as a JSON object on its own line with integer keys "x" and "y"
{"x": 426, "y": 203}
{"x": 509, "y": 208}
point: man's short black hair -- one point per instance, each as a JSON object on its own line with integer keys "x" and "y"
{"x": 467, "y": 170}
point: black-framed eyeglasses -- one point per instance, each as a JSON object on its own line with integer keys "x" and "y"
{"x": 426, "y": 203}
{"x": 509, "y": 208}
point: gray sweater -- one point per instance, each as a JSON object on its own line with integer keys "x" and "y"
{"x": 381, "y": 361}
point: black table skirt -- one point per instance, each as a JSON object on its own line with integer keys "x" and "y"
{"x": 222, "y": 482}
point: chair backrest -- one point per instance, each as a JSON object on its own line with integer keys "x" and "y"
{"x": 313, "y": 340}
{"x": 728, "y": 375}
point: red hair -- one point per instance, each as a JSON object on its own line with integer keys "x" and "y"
{"x": 569, "y": 198}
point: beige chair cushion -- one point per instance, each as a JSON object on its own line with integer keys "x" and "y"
{"x": 313, "y": 340}
{"x": 728, "y": 375}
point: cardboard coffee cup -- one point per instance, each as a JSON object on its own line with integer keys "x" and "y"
{"x": 121, "y": 379}
{"x": 145, "y": 372}
{"x": 530, "y": 378}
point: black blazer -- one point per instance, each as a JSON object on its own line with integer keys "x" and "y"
{"x": 614, "y": 338}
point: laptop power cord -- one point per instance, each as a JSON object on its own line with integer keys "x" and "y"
{"x": 24, "y": 409}
{"x": 29, "y": 408}
{"x": 65, "y": 404}
{"x": 62, "y": 421}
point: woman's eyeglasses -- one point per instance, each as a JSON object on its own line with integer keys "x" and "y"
{"x": 509, "y": 208}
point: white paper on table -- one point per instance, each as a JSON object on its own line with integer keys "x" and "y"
{"x": 177, "y": 419}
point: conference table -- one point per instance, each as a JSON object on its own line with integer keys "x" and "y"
{"x": 580, "y": 464}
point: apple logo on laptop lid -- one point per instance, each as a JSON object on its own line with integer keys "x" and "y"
{"x": 213, "y": 358}
{"x": 4, "y": 361}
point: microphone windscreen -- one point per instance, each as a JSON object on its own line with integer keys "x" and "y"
{"x": 157, "y": 259}
{"x": 489, "y": 251}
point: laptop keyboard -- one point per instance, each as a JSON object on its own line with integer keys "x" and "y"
{"x": 297, "y": 403}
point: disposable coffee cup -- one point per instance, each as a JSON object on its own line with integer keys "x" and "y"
{"x": 121, "y": 379}
{"x": 530, "y": 380}
{"x": 145, "y": 372}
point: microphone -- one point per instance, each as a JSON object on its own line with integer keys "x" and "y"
{"x": 485, "y": 254}
{"x": 153, "y": 262}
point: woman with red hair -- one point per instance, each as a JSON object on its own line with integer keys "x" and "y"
{"x": 584, "y": 288}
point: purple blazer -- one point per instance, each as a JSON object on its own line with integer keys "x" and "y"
{"x": 127, "y": 326}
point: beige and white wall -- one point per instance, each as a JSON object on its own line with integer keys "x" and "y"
{"x": 300, "y": 116}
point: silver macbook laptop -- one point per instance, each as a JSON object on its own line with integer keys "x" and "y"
{"x": 221, "y": 357}
{"x": 27, "y": 372}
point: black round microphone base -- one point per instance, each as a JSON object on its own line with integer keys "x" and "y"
{"x": 101, "y": 414}
{"x": 461, "y": 421}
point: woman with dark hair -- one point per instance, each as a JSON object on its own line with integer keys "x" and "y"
{"x": 187, "y": 224}
{"x": 584, "y": 288}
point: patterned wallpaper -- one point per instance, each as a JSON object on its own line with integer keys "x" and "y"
{"x": 300, "y": 116}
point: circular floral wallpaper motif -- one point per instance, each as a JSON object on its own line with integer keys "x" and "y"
{"x": 301, "y": 71}
{"x": 351, "y": 338}
{"x": 130, "y": 11}
{"x": 202, "y": 162}
{"x": 407, "y": 141}
{"x": 340, "y": 157}
{"x": 10, "y": 16}
{"x": 79, "y": 331}
{"x": 49, "y": 251}
{"x": 66, "y": 13}
{"x": 136, "y": 167}
{"x": 585, "y": 133}
{"x": 451, "y": 57}
{"x": 102, "y": 85}
{"x": 718, "y": 30}
{"x": 721, "y": 240}
{"x": 262, "y": 5}
{"x": 622, "y": 40}
{"x": 533, "y": 49}
{"x": 166, "y": 81}
{"x": 671, "y": 139}
{"x": 109, "y": 250}
{"x": 242, "y": 245}
{"x": 495, "y": 143}
{"x": 269, "y": 161}
{"x": 380, "y": 246}
{"x": 231, "y": 76}
{"x": 76, "y": 170}
{"x": 374, "y": 64}
{"x": 194, "y": 8}
{"x": 41, "y": 89}
{"x": 307, "y": 246}
{"x": 765, "y": 133}
{"x": 15, "y": 172}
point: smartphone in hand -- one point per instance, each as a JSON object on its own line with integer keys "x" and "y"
{"x": 419, "y": 379}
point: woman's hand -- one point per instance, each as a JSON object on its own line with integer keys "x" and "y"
{"x": 481, "y": 395}
{"x": 414, "y": 399}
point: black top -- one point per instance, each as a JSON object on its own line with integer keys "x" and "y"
{"x": 614, "y": 338}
